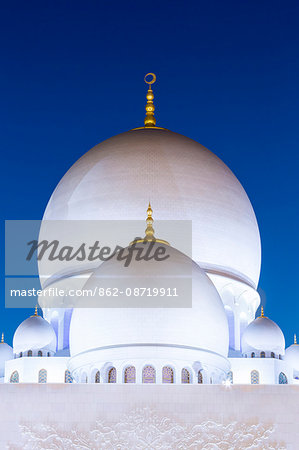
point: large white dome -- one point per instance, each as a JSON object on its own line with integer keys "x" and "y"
{"x": 183, "y": 180}
{"x": 34, "y": 334}
{"x": 202, "y": 326}
{"x": 263, "y": 335}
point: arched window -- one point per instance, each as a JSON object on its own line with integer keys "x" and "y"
{"x": 97, "y": 377}
{"x": 282, "y": 378}
{"x": 49, "y": 354}
{"x": 14, "y": 378}
{"x": 40, "y": 353}
{"x": 21, "y": 354}
{"x": 230, "y": 377}
{"x": 200, "y": 377}
{"x": 263, "y": 354}
{"x": 130, "y": 374}
{"x": 112, "y": 375}
{"x": 42, "y": 376}
{"x": 148, "y": 375}
{"x": 29, "y": 352}
{"x": 68, "y": 377}
{"x": 252, "y": 355}
{"x": 84, "y": 377}
{"x": 272, "y": 355}
{"x": 185, "y": 378}
{"x": 280, "y": 357}
{"x": 255, "y": 377}
{"x": 167, "y": 375}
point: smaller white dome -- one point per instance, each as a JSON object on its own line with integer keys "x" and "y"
{"x": 6, "y": 354}
{"x": 34, "y": 334}
{"x": 204, "y": 325}
{"x": 263, "y": 335}
{"x": 292, "y": 356}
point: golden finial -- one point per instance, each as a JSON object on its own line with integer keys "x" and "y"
{"x": 295, "y": 339}
{"x": 149, "y": 232}
{"x": 150, "y": 120}
{"x": 35, "y": 311}
{"x": 262, "y": 311}
{"x": 2, "y": 338}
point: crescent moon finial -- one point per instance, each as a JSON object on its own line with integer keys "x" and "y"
{"x": 150, "y": 120}
{"x": 152, "y": 81}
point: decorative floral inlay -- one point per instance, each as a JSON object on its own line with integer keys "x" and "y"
{"x": 145, "y": 429}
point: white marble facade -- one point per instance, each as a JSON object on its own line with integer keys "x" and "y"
{"x": 148, "y": 417}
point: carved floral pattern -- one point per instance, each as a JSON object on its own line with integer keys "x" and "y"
{"x": 145, "y": 429}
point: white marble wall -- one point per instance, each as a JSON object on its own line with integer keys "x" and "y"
{"x": 148, "y": 416}
{"x": 268, "y": 369}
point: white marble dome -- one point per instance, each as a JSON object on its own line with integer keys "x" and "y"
{"x": 183, "y": 180}
{"x": 6, "y": 353}
{"x": 202, "y": 326}
{"x": 292, "y": 356}
{"x": 34, "y": 334}
{"x": 263, "y": 335}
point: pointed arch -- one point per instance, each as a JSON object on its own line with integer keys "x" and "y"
{"x": 130, "y": 375}
{"x": 112, "y": 375}
{"x": 167, "y": 375}
{"x": 148, "y": 374}
{"x": 255, "y": 377}
{"x": 282, "y": 379}
{"x": 185, "y": 376}
{"x": 42, "y": 376}
{"x": 14, "y": 378}
{"x": 97, "y": 378}
{"x": 200, "y": 377}
{"x": 68, "y": 377}
{"x": 84, "y": 377}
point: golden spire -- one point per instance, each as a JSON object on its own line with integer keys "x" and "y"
{"x": 262, "y": 311}
{"x": 295, "y": 339}
{"x": 149, "y": 232}
{"x": 150, "y": 120}
{"x": 2, "y": 338}
{"x": 35, "y": 311}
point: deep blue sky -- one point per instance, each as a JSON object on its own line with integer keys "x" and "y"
{"x": 72, "y": 76}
